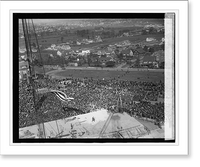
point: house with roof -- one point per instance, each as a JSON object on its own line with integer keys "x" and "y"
{"x": 150, "y": 39}
{"x": 112, "y": 55}
{"x": 108, "y": 52}
{"x": 160, "y": 58}
{"x": 111, "y": 47}
{"x": 23, "y": 69}
{"x": 130, "y": 59}
{"x": 138, "y": 52}
{"x": 63, "y": 47}
{"x": 158, "y": 54}
{"x": 149, "y": 61}
{"x": 34, "y": 50}
{"x": 73, "y": 64}
{"x": 147, "y": 54}
{"x": 68, "y": 52}
{"x": 104, "y": 60}
{"x": 23, "y": 56}
{"x": 23, "y": 65}
{"x": 127, "y": 52}
{"x": 98, "y": 39}
{"x": 22, "y": 50}
{"x": 101, "y": 52}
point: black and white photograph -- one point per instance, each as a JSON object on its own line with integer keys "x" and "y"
{"x": 93, "y": 77}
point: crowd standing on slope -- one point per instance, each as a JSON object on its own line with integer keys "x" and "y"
{"x": 138, "y": 99}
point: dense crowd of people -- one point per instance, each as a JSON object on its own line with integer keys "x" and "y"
{"x": 135, "y": 98}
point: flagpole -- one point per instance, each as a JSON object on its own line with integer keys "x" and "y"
{"x": 29, "y": 55}
{"x": 38, "y": 46}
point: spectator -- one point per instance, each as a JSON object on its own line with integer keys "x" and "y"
{"x": 90, "y": 94}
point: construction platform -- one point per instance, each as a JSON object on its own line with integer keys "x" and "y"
{"x": 96, "y": 124}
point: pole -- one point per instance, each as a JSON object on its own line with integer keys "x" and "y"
{"x": 29, "y": 55}
{"x": 27, "y": 44}
{"x": 27, "y": 49}
{"x": 43, "y": 127}
{"x": 29, "y": 30}
{"x": 38, "y": 46}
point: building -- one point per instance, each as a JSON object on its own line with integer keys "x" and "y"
{"x": 59, "y": 53}
{"x": 64, "y": 47}
{"x": 86, "y": 52}
{"x": 96, "y": 124}
{"x": 23, "y": 69}
{"x": 111, "y": 48}
{"x": 150, "y": 39}
{"x": 127, "y": 52}
{"x": 149, "y": 61}
{"x": 123, "y": 43}
{"x": 147, "y": 54}
{"x": 160, "y": 58}
{"x": 138, "y": 52}
{"x": 78, "y": 43}
{"x": 101, "y": 52}
{"x": 22, "y": 50}
{"x": 34, "y": 50}
{"x": 159, "y": 55}
{"x": 73, "y": 64}
{"x": 104, "y": 60}
{"x": 23, "y": 65}
{"x": 23, "y": 56}
{"x": 53, "y": 46}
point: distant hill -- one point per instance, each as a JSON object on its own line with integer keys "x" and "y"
{"x": 100, "y": 22}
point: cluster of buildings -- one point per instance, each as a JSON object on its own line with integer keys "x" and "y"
{"x": 154, "y": 28}
{"x": 88, "y": 41}
{"x": 66, "y": 46}
{"x": 135, "y": 55}
{"x": 58, "y": 47}
{"x": 130, "y": 33}
{"x": 132, "y": 54}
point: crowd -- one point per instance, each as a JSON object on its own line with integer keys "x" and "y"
{"x": 90, "y": 94}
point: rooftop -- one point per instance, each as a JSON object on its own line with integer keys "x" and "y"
{"x": 96, "y": 124}
{"x": 149, "y": 59}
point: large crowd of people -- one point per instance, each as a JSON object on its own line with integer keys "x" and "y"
{"x": 139, "y": 99}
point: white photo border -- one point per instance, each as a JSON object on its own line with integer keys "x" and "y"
{"x": 24, "y": 148}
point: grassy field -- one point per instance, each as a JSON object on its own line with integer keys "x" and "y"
{"x": 121, "y": 75}
{"x": 39, "y": 70}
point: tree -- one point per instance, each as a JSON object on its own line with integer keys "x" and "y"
{"x": 144, "y": 32}
{"x": 151, "y": 50}
{"x": 89, "y": 61}
{"x": 137, "y": 62}
{"x": 61, "y": 39}
{"x": 97, "y": 64}
{"x": 145, "y": 48}
{"x": 110, "y": 64}
{"x": 120, "y": 56}
{"x": 50, "y": 60}
{"x": 34, "y": 45}
{"x": 162, "y": 46}
{"x": 151, "y": 30}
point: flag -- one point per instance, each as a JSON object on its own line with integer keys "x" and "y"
{"x": 61, "y": 95}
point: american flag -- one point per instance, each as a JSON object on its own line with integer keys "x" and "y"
{"x": 61, "y": 95}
